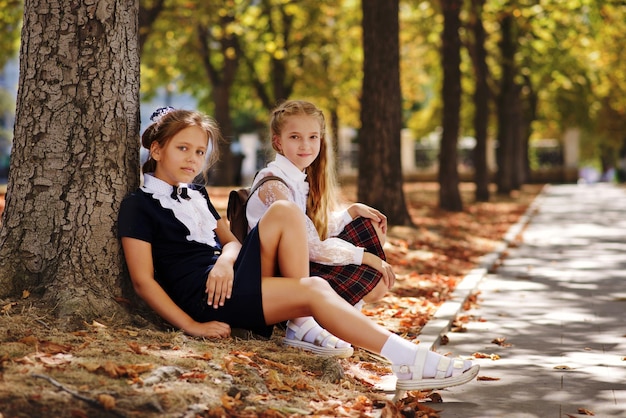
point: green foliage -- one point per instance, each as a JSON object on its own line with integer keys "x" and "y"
{"x": 11, "y": 12}
{"x": 571, "y": 54}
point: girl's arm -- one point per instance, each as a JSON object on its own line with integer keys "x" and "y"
{"x": 219, "y": 284}
{"x": 364, "y": 211}
{"x": 372, "y": 260}
{"x": 138, "y": 256}
{"x": 274, "y": 190}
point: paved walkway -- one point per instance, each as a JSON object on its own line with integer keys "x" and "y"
{"x": 558, "y": 300}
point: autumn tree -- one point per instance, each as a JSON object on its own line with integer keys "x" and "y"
{"x": 481, "y": 98}
{"x": 149, "y": 12}
{"x": 449, "y": 195}
{"x": 380, "y": 174}
{"x": 75, "y": 155}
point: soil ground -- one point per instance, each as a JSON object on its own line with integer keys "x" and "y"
{"x": 106, "y": 370}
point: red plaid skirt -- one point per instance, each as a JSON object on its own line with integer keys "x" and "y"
{"x": 352, "y": 281}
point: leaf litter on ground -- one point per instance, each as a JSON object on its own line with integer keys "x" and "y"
{"x": 106, "y": 369}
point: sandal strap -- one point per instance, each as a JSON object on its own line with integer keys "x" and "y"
{"x": 457, "y": 367}
{"x": 419, "y": 362}
{"x": 442, "y": 367}
{"x": 301, "y": 331}
{"x": 417, "y": 368}
{"x": 325, "y": 336}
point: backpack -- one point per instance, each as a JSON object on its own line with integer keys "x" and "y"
{"x": 236, "y": 209}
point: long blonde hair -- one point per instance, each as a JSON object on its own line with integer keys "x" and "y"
{"x": 321, "y": 173}
{"x": 167, "y": 122}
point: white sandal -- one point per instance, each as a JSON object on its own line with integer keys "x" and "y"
{"x": 325, "y": 343}
{"x": 416, "y": 370}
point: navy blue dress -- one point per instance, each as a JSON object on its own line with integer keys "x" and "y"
{"x": 182, "y": 264}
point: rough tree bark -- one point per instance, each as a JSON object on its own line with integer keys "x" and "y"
{"x": 481, "y": 98}
{"x": 449, "y": 194}
{"x": 380, "y": 172}
{"x": 75, "y": 155}
{"x": 506, "y": 109}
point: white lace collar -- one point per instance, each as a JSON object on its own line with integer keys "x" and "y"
{"x": 193, "y": 212}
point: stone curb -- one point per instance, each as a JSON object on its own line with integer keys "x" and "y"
{"x": 441, "y": 322}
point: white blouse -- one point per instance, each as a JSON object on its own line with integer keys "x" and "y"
{"x": 332, "y": 250}
{"x": 193, "y": 212}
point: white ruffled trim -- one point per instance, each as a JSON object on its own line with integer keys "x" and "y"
{"x": 193, "y": 213}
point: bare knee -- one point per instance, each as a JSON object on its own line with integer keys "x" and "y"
{"x": 281, "y": 215}
{"x": 284, "y": 211}
{"x": 377, "y": 293}
{"x": 317, "y": 285}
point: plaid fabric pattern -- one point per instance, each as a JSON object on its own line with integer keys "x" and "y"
{"x": 352, "y": 281}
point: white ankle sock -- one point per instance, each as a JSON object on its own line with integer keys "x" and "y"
{"x": 400, "y": 351}
{"x": 312, "y": 334}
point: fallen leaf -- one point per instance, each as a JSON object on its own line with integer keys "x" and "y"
{"x": 436, "y": 398}
{"x": 193, "y": 375}
{"x": 204, "y": 356}
{"x": 6, "y": 308}
{"x": 135, "y": 347}
{"x": 562, "y": 367}
{"x": 54, "y": 348}
{"x": 501, "y": 342}
{"x": 54, "y": 360}
{"x": 29, "y": 340}
{"x": 487, "y": 378}
{"x": 584, "y": 411}
{"x": 229, "y": 402}
{"x": 25, "y": 294}
{"x": 484, "y": 355}
{"x": 107, "y": 401}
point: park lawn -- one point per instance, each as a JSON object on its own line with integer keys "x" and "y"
{"x": 104, "y": 369}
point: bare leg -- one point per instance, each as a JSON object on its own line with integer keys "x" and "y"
{"x": 284, "y": 247}
{"x": 284, "y": 298}
{"x": 377, "y": 293}
{"x": 284, "y": 221}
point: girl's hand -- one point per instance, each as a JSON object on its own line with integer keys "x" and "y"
{"x": 372, "y": 260}
{"x": 389, "y": 277}
{"x": 212, "y": 329}
{"x": 364, "y": 211}
{"x": 219, "y": 284}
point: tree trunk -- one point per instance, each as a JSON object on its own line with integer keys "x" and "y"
{"x": 223, "y": 173}
{"x": 481, "y": 101}
{"x": 519, "y": 140}
{"x": 506, "y": 97}
{"x": 380, "y": 170}
{"x": 449, "y": 195}
{"x": 75, "y": 155}
{"x": 148, "y": 14}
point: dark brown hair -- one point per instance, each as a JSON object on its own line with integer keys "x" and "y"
{"x": 169, "y": 124}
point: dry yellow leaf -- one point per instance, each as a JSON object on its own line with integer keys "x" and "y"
{"x": 107, "y": 401}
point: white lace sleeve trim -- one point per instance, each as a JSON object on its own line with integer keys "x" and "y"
{"x": 337, "y": 222}
{"x": 331, "y": 251}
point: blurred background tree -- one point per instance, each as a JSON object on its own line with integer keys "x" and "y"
{"x": 530, "y": 71}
